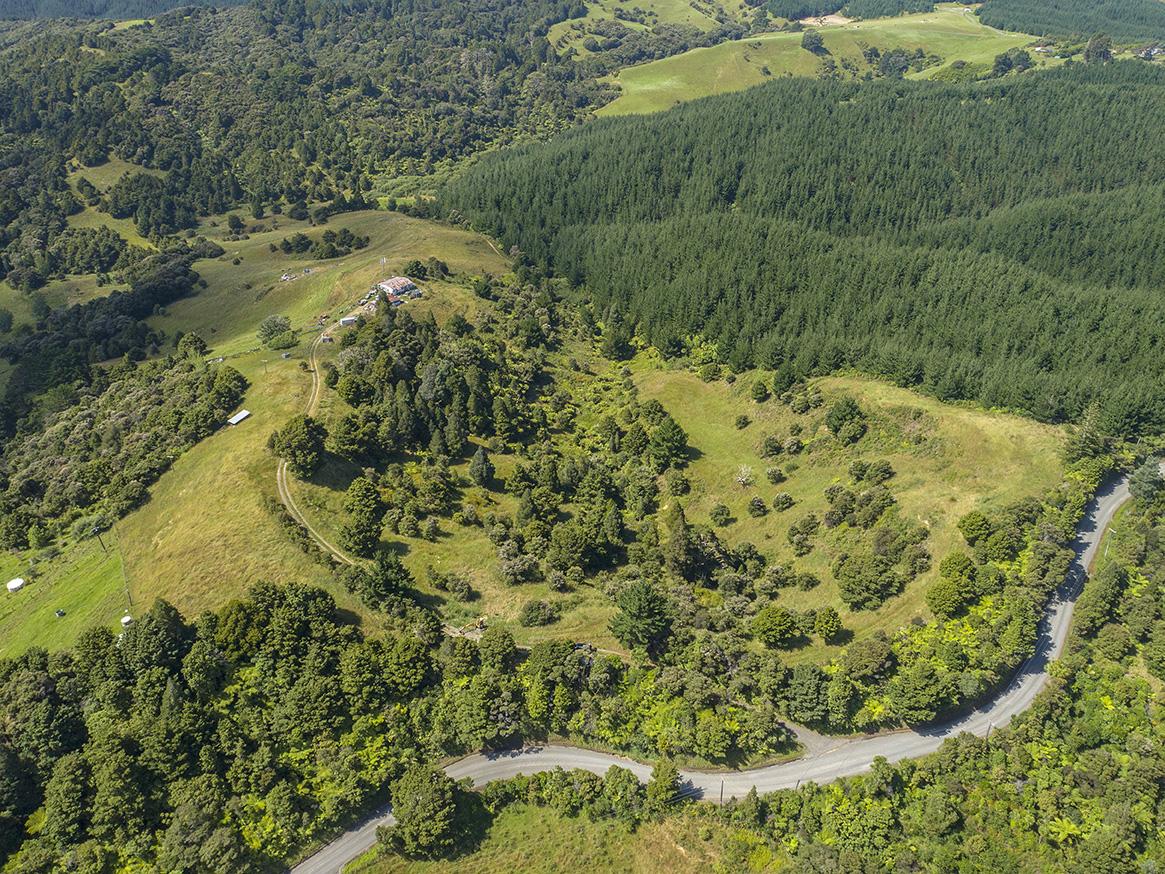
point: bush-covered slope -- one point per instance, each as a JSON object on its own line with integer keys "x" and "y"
{"x": 784, "y": 223}
{"x": 115, "y": 9}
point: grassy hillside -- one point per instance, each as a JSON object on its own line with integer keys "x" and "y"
{"x": 205, "y": 535}
{"x": 536, "y": 840}
{"x": 239, "y": 296}
{"x": 84, "y": 581}
{"x": 948, "y": 32}
{"x": 947, "y": 461}
{"x": 571, "y": 33}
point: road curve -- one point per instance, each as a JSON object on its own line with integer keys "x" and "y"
{"x": 848, "y": 757}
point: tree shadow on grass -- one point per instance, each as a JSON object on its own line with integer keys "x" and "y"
{"x": 349, "y": 617}
{"x": 472, "y": 823}
{"x": 842, "y": 638}
{"x": 335, "y": 473}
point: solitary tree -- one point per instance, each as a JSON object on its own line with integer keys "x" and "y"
{"x": 974, "y": 527}
{"x": 481, "y": 469}
{"x": 774, "y": 626}
{"x": 846, "y": 420}
{"x": 812, "y": 42}
{"x": 668, "y": 443}
{"x": 363, "y": 501}
{"x": 642, "y": 619}
{"x": 300, "y": 444}
{"x": 273, "y": 326}
{"x": 362, "y": 536}
{"x": 827, "y": 624}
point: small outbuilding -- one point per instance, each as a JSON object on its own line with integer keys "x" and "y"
{"x": 15, "y": 585}
{"x": 238, "y": 417}
{"x": 347, "y": 320}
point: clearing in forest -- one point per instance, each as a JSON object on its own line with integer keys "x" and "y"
{"x": 948, "y": 33}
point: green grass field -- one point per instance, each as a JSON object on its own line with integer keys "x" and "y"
{"x": 104, "y": 175}
{"x": 533, "y": 840}
{"x": 205, "y": 536}
{"x": 239, "y": 296}
{"x": 963, "y": 459}
{"x": 733, "y": 66}
{"x": 84, "y": 581}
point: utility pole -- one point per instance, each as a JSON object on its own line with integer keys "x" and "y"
{"x": 264, "y": 366}
{"x": 97, "y": 534}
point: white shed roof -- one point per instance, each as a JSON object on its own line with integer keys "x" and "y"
{"x": 238, "y": 417}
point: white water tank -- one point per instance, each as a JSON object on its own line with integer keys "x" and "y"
{"x": 126, "y": 621}
{"x": 15, "y": 585}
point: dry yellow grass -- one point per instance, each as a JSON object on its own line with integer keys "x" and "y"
{"x": 964, "y": 459}
{"x": 526, "y": 840}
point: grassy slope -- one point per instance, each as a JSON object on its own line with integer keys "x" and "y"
{"x": 103, "y": 178}
{"x": 83, "y": 581}
{"x": 227, "y": 314}
{"x": 733, "y": 66}
{"x": 205, "y": 536}
{"x": 526, "y": 840}
{"x": 965, "y": 459}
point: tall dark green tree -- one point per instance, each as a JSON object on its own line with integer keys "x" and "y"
{"x": 301, "y": 444}
{"x": 668, "y": 443}
{"x": 481, "y": 468}
{"x": 423, "y": 802}
{"x": 642, "y": 620}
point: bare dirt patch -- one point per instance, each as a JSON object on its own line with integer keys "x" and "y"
{"x": 823, "y": 20}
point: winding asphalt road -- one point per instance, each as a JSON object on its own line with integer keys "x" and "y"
{"x": 845, "y": 758}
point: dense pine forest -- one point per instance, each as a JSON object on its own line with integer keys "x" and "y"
{"x": 955, "y": 238}
{"x": 797, "y": 9}
{"x": 1123, "y": 20}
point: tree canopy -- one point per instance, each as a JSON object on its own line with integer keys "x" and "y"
{"x": 924, "y": 232}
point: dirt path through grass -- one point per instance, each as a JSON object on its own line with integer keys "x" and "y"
{"x": 281, "y": 480}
